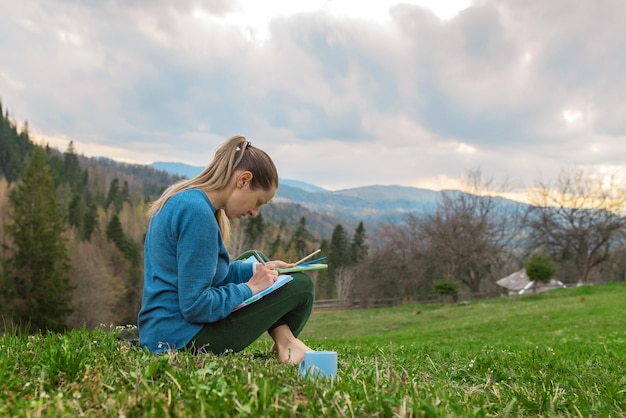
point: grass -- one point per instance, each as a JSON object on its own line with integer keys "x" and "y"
{"x": 558, "y": 353}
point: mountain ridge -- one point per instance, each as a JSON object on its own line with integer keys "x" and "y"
{"x": 189, "y": 171}
{"x": 371, "y": 204}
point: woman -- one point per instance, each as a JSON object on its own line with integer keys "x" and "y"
{"x": 190, "y": 285}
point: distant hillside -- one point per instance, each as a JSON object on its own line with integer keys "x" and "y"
{"x": 307, "y": 187}
{"x": 319, "y": 224}
{"x": 179, "y": 169}
{"x": 190, "y": 171}
{"x": 370, "y": 204}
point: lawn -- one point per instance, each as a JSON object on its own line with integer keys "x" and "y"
{"x": 558, "y": 353}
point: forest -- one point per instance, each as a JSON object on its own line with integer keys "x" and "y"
{"x": 72, "y": 230}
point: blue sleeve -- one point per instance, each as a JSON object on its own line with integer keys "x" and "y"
{"x": 240, "y": 272}
{"x": 209, "y": 286}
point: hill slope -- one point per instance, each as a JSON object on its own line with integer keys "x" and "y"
{"x": 370, "y": 204}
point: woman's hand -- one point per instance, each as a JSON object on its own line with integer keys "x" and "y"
{"x": 281, "y": 264}
{"x": 264, "y": 277}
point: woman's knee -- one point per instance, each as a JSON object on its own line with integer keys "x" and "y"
{"x": 303, "y": 283}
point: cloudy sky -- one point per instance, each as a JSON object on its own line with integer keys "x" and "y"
{"x": 340, "y": 93}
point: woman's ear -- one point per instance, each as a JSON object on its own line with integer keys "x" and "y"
{"x": 244, "y": 179}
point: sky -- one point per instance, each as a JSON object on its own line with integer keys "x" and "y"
{"x": 341, "y": 94}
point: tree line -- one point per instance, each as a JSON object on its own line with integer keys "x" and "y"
{"x": 474, "y": 237}
{"x": 72, "y": 230}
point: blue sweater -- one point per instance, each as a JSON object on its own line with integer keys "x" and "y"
{"x": 188, "y": 277}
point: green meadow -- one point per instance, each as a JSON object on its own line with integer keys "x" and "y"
{"x": 557, "y": 353}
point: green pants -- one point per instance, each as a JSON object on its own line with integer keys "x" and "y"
{"x": 290, "y": 305}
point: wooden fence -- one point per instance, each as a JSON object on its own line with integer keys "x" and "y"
{"x": 347, "y": 304}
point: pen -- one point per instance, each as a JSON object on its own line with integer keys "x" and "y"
{"x": 308, "y": 256}
{"x": 314, "y": 261}
{"x": 259, "y": 257}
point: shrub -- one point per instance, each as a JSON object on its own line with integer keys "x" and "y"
{"x": 446, "y": 287}
{"x": 539, "y": 268}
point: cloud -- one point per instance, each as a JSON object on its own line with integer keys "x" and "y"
{"x": 338, "y": 99}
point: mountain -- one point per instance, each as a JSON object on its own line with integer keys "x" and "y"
{"x": 178, "y": 169}
{"x": 307, "y": 187}
{"x": 190, "y": 171}
{"x": 370, "y": 204}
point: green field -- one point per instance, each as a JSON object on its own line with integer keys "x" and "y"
{"x": 558, "y": 353}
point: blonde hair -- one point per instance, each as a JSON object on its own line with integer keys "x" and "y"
{"x": 236, "y": 154}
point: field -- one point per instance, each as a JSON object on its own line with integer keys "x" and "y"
{"x": 558, "y": 353}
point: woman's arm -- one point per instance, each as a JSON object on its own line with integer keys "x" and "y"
{"x": 204, "y": 291}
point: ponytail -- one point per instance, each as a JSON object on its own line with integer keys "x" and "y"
{"x": 236, "y": 154}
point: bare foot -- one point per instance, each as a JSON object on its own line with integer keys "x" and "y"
{"x": 290, "y": 349}
{"x": 293, "y": 353}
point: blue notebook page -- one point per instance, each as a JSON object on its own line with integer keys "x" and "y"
{"x": 280, "y": 281}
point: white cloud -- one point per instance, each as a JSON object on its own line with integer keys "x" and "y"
{"x": 11, "y": 82}
{"x": 70, "y": 38}
{"x": 254, "y": 17}
{"x": 572, "y": 116}
{"x": 465, "y": 149}
{"x": 340, "y": 95}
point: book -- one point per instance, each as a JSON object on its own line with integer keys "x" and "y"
{"x": 311, "y": 265}
{"x": 280, "y": 281}
{"x": 303, "y": 267}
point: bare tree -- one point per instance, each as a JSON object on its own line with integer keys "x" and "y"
{"x": 394, "y": 267}
{"x": 98, "y": 291}
{"x": 470, "y": 231}
{"x": 344, "y": 280}
{"x": 4, "y": 211}
{"x": 578, "y": 219}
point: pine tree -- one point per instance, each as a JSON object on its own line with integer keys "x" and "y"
{"x": 71, "y": 171}
{"x": 338, "y": 257}
{"x": 14, "y": 147}
{"x": 76, "y": 211}
{"x": 300, "y": 238}
{"x": 124, "y": 243}
{"x": 41, "y": 293}
{"x": 124, "y": 195}
{"x": 254, "y": 228}
{"x": 322, "y": 275}
{"x": 358, "y": 247}
{"x": 114, "y": 196}
{"x": 116, "y": 235}
{"x": 130, "y": 250}
{"x": 90, "y": 217}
